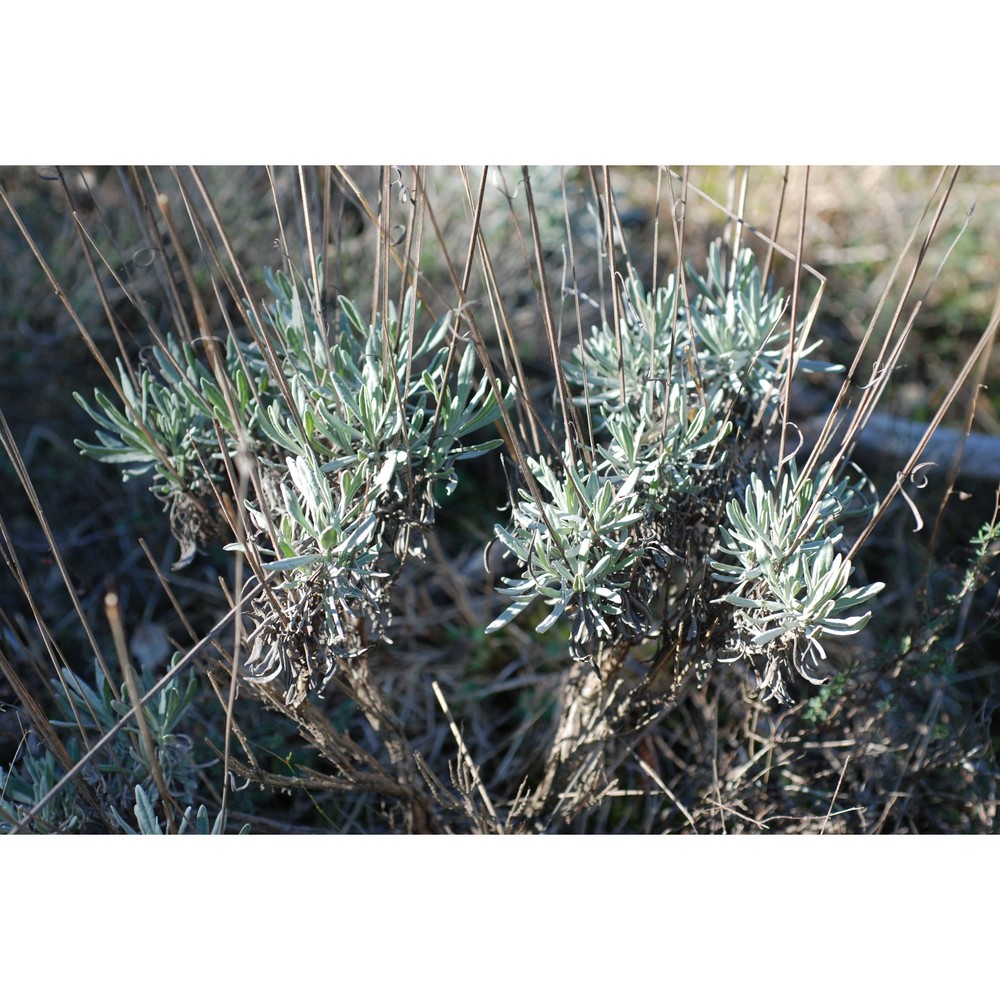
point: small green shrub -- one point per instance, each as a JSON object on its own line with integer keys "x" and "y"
{"x": 121, "y": 766}
{"x": 624, "y": 537}
{"x": 350, "y": 438}
{"x": 665, "y": 523}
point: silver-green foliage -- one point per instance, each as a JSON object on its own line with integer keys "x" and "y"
{"x": 27, "y": 782}
{"x": 582, "y": 566}
{"x": 378, "y": 423}
{"x": 787, "y": 582}
{"x": 355, "y": 435}
{"x": 732, "y": 341}
{"x": 626, "y": 531}
{"x": 118, "y": 768}
{"x": 149, "y": 825}
{"x": 166, "y": 425}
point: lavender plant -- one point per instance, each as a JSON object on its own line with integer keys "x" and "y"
{"x": 121, "y": 770}
{"x": 627, "y": 534}
{"x": 785, "y": 578}
{"x": 149, "y": 825}
{"x": 352, "y": 440}
{"x": 658, "y": 530}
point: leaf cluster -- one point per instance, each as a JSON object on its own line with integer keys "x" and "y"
{"x": 349, "y": 434}
{"x": 787, "y": 582}
{"x": 122, "y": 765}
{"x": 626, "y": 529}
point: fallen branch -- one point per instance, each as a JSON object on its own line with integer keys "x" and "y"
{"x": 894, "y": 438}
